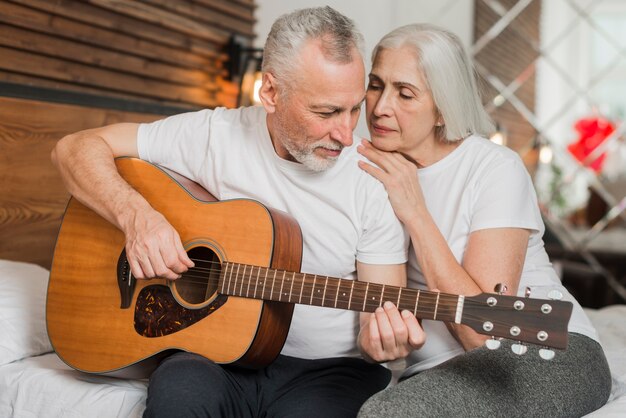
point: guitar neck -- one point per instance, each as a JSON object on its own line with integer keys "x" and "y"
{"x": 309, "y": 289}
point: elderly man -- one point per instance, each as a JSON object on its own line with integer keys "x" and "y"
{"x": 292, "y": 154}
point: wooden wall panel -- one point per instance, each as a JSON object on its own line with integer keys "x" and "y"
{"x": 32, "y": 196}
{"x": 156, "y": 51}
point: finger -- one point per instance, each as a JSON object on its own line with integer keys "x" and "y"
{"x": 375, "y": 172}
{"x": 416, "y": 334}
{"x": 182, "y": 255}
{"x": 135, "y": 269}
{"x": 159, "y": 264}
{"x": 385, "y": 329}
{"x": 380, "y": 158}
{"x": 387, "y": 158}
{"x": 397, "y": 323}
{"x": 175, "y": 256}
{"x": 374, "y": 342}
{"x": 146, "y": 267}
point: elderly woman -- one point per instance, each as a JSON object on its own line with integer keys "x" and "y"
{"x": 472, "y": 215}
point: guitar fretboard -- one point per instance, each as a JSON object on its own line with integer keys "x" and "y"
{"x": 309, "y": 289}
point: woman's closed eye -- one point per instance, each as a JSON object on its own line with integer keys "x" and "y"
{"x": 406, "y": 94}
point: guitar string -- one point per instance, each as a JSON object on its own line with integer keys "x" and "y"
{"x": 358, "y": 294}
{"x": 426, "y": 305}
{"x": 261, "y": 268}
{"x": 429, "y": 301}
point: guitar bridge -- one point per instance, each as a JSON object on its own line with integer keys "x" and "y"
{"x": 125, "y": 281}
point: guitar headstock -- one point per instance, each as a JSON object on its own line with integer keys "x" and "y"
{"x": 541, "y": 322}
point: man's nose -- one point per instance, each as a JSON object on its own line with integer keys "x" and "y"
{"x": 342, "y": 131}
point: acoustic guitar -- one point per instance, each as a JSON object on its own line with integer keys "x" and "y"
{"x": 235, "y": 305}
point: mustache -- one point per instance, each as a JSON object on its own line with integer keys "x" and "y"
{"x": 334, "y": 145}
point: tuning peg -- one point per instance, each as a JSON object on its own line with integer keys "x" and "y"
{"x": 527, "y": 292}
{"x": 546, "y": 354}
{"x": 500, "y": 288}
{"x": 492, "y": 343}
{"x": 519, "y": 349}
{"x": 555, "y": 294}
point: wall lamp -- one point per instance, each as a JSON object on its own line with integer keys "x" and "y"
{"x": 244, "y": 68}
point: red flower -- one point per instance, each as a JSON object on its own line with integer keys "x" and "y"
{"x": 591, "y": 133}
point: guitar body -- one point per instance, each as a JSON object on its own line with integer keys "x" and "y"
{"x": 101, "y": 320}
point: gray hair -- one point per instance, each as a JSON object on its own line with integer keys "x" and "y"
{"x": 290, "y": 32}
{"x": 449, "y": 74}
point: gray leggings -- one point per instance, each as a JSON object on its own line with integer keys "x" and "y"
{"x": 484, "y": 383}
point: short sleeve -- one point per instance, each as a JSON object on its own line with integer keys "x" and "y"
{"x": 383, "y": 239}
{"x": 505, "y": 198}
{"x": 178, "y": 142}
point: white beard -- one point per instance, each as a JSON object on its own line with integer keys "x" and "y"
{"x": 306, "y": 155}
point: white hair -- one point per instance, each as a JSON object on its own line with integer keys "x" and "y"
{"x": 449, "y": 74}
{"x": 338, "y": 34}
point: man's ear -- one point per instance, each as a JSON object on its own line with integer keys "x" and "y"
{"x": 268, "y": 93}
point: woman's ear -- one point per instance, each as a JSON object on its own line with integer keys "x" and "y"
{"x": 268, "y": 93}
{"x": 439, "y": 119}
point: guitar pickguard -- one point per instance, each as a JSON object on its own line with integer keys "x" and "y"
{"x": 157, "y": 313}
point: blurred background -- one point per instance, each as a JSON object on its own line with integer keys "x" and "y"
{"x": 552, "y": 73}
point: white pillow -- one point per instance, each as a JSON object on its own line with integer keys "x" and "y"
{"x": 23, "y": 332}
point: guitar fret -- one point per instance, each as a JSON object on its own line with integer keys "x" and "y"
{"x": 382, "y": 291}
{"x": 293, "y": 279}
{"x": 367, "y": 288}
{"x": 282, "y": 283}
{"x": 243, "y": 275}
{"x": 398, "y": 304}
{"x": 351, "y": 290}
{"x": 231, "y": 280}
{"x": 230, "y": 272}
{"x": 265, "y": 284}
{"x": 256, "y": 285}
{"x": 272, "y": 290}
{"x": 337, "y": 294}
{"x": 235, "y": 281}
{"x": 248, "y": 288}
{"x": 313, "y": 289}
{"x": 324, "y": 294}
{"x": 224, "y": 281}
{"x": 301, "y": 289}
{"x": 436, "y": 306}
{"x": 416, "y": 301}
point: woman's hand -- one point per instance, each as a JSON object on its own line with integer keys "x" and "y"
{"x": 398, "y": 175}
{"x": 389, "y": 334}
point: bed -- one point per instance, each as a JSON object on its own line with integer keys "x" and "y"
{"x": 34, "y": 382}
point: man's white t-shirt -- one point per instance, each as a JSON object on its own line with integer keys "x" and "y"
{"x": 481, "y": 185}
{"x": 343, "y": 212}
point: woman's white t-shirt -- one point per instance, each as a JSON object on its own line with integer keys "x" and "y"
{"x": 482, "y": 185}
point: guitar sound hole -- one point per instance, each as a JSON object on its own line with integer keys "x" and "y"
{"x": 199, "y": 283}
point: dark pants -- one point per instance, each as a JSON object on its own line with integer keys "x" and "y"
{"x": 484, "y": 383}
{"x": 188, "y": 385}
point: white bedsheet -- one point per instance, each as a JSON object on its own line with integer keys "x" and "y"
{"x": 43, "y": 386}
